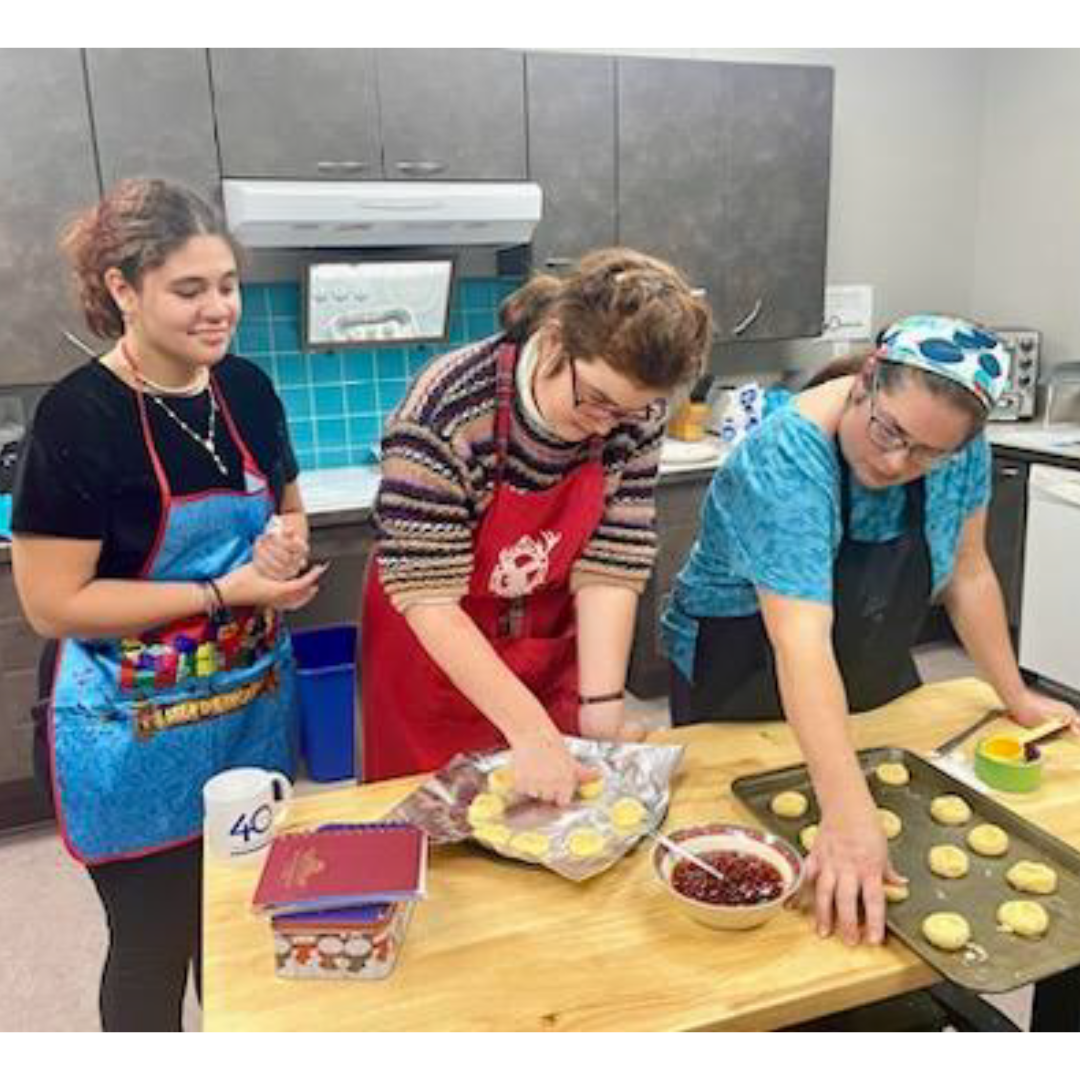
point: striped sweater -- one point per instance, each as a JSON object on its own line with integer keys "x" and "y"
{"x": 438, "y": 479}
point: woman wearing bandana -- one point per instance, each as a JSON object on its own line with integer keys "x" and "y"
{"x": 824, "y": 539}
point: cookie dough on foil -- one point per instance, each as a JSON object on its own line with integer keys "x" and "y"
{"x": 471, "y": 799}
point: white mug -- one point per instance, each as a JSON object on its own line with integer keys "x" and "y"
{"x": 242, "y": 807}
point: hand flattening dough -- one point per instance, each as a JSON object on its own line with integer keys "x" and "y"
{"x": 1027, "y": 918}
{"x": 946, "y": 930}
{"x": 947, "y": 861}
{"x": 1032, "y": 877}
{"x": 789, "y": 804}
{"x": 950, "y": 810}
{"x": 988, "y": 840}
{"x": 893, "y": 773}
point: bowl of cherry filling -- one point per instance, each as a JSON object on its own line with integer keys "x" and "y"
{"x": 758, "y": 874}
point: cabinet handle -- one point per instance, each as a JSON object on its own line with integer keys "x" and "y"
{"x": 420, "y": 168}
{"x": 745, "y": 324}
{"x": 1010, "y": 472}
{"x": 81, "y": 345}
{"x": 342, "y": 166}
{"x": 558, "y": 262}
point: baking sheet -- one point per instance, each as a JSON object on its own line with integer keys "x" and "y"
{"x": 629, "y": 770}
{"x": 994, "y": 961}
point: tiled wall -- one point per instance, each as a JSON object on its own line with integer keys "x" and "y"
{"x": 336, "y": 401}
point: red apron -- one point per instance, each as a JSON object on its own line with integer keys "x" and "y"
{"x": 413, "y": 718}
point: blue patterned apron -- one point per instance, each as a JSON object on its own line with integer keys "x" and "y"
{"x": 137, "y": 725}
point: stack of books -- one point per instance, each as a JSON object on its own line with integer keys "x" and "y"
{"x": 340, "y": 897}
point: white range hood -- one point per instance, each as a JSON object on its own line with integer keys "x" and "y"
{"x": 328, "y": 213}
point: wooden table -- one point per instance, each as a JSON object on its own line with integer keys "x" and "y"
{"x": 500, "y": 946}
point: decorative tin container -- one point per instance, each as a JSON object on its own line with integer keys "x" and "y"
{"x": 351, "y": 943}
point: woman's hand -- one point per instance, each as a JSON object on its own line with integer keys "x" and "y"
{"x": 1033, "y": 709}
{"x": 849, "y": 860}
{"x": 281, "y": 552}
{"x": 247, "y": 587}
{"x": 607, "y": 720}
{"x": 544, "y": 768}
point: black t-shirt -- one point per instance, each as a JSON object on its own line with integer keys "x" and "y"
{"x": 85, "y": 473}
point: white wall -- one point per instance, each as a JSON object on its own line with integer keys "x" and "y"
{"x": 1026, "y": 256}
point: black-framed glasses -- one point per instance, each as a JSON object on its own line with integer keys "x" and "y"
{"x": 599, "y": 406}
{"x": 886, "y": 435}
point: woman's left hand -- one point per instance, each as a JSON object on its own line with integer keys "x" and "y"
{"x": 1034, "y": 709}
{"x": 607, "y": 721}
{"x": 280, "y": 553}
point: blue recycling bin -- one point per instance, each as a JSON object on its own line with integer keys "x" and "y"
{"x": 326, "y": 674}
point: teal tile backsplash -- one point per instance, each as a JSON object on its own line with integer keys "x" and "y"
{"x": 336, "y": 402}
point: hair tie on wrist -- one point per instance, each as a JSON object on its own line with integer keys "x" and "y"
{"x": 600, "y": 699}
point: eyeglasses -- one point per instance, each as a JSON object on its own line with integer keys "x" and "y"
{"x": 887, "y": 435}
{"x": 597, "y": 405}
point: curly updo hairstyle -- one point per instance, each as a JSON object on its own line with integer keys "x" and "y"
{"x": 637, "y": 313}
{"x": 135, "y": 228}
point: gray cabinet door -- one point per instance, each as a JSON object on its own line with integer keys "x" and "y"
{"x": 671, "y": 163}
{"x": 771, "y": 251}
{"x": 1006, "y": 527}
{"x": 571, "y": 125}
{"x": 47, "y": 173}
{"x": 452, "y": 114}
{"x": 153, "y": 116}
{"x": 307, "y": 114}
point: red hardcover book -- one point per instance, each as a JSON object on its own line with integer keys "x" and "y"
{"x": 341, "y": 866}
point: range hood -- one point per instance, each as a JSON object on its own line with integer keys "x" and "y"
{"x": 342, "y": 213}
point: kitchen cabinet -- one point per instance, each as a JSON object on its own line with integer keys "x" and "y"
{"x": 47, "y": 174}
{"x": 571, "y": 98}
{"x": 1006, "y": 527}
{"x": 678, "y": 506}
{"x": 346, "y": 547}
{"x": 724, "y": 169}
{"x": 297, "y": 113}
{"x": 153, "y": 116}
{"x": 452, "y": 114}
{"x": 366, "y": 114}
{"x": 20, "y": 649}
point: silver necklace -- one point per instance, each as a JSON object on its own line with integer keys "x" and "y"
{"x": 207, "y": 442}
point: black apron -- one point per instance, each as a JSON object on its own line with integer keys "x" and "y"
{"x": 881, "y": 597}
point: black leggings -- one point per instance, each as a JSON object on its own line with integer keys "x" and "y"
{"x": 154, "y": 909}
{"x": 153, "y": 906}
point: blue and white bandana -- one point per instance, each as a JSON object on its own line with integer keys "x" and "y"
{"x": 953, "y": 348}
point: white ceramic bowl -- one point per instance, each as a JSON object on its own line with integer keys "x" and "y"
{"x": 741, "y": 839}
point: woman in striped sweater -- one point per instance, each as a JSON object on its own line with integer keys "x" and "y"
{"x": 516, "y": 524}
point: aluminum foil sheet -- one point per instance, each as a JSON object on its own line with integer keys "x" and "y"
{"x": 576, "y": 841}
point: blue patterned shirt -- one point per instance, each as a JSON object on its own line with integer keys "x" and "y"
{"x": 771, "y": 520}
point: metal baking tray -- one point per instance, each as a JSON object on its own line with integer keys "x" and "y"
{"x": 994, "y": 961}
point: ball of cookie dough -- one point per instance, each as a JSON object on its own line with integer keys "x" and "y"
{"x": 493, "y": 833}
{"x": 485, "y": 807}
{"x": 626, "y": 813}
{"x": 893, "y": 773}
{"x": 530, "y": 843}
{"x": 946, "y": 930}
{"x": 789, "y": 804}
{"x": 988, "y": 840}
{"x": 948, "y": 861}
{"x": 585, "y": 843}
{"x": 591, "y": 789}
{"x": 895, "y": 893}
{"x": 891, "y": 823}
{"x": 808, "y": 836}
{"x": 1024, "y": 917}
{"x": 1032, "y": 877}
{"x": 501, "y": 780}
{"x": 950, "y": 810}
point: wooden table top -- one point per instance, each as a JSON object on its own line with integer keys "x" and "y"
{"x": 502, "y": 946}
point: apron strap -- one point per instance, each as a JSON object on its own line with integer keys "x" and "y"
{"x": 914, "y": 499}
